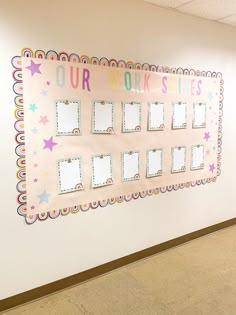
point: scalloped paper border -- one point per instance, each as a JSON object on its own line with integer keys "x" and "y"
{"x": 20, "y": 137}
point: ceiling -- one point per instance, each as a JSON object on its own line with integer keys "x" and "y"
{"x": 223, "y": 11}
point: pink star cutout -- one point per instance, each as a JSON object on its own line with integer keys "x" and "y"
{"x": 207, "y": 136}
{"x": 34, "y": 68}
{"x": 49, "y": 144}
{"x": 212, "y": 168}
{"x": 35, "y": 165}
{"x": 43, "y": 120}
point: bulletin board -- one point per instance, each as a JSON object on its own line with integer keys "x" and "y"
{"x": 93, "y": 132}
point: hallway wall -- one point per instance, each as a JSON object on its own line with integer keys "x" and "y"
{"x": 131, "y": 30}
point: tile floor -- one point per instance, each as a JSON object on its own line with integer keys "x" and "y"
{"x": 198, "y": 278}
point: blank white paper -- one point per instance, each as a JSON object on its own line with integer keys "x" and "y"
{"x": 178, "y": 159}
{"x": 131, "y": 116}
{"x": 103, "y": 120}
{"x": 179, "y": 115}
{"x": 199, "y": 115}
{"x": 102, "y": 170}
{"x": 68, "y": 118}
{"x": 156, "y": 116}
{"x": 154, "y": 162}
{"x": 197, "y": 161}
{"x": 130, "y": 166}
{"x": 69, "y": 175}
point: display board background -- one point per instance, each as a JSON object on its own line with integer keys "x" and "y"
{"x": 212, "y": 94}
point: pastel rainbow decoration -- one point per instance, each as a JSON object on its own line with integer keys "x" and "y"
{"x": 183, "y": 168}
{"x": 159, "y": 172}
{"x": 138, "y": 128}
{"x": 202, "y": 165}
{"x": 162, "y": 126}
{"x": 204, "y": 124}
{"x": 79, "y": 186}
{"x": 19, "y": 128}
{"x": 110, "y": 130}
{"x": 184, "y": 125}
{"x": 136, "y": 176}
{"x": 109, "y": 181}
{"x": 76, "y": 131}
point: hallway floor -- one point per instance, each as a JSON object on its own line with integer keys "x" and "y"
{"x": 197, "y": 278}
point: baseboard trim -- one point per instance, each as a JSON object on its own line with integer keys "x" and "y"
{"x": 59, "y": 285}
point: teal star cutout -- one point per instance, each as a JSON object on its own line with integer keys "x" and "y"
{"x": 33, "y": 107}
{"x": 43, "y": 197}
{"x": 210, "y": 96}
{"x": 34, "y": 130}
{"x": 44, "y": 93}
{"x": 214, "y": 148}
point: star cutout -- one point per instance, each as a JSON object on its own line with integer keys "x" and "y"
{"x": 212, "y": 168}
{"x": 43, "y": 120}
{"x": 35, "y": 152}
{"x": 35, "y": 165}
{"x": 214, "y": 148}
{"x": 32, "y": 207}
{"x": 210, "y": 96}
{"x": 48, "y": 83}
{"x": 34, "y": 130}
{"x": 207, "y": 136}
{"x": 43, "y": 197}
{"x": 34, "y": 68}
{"x": 35, "y": 180}
{"x": 49, "y": 144}
{"x": 208, "y": 152}
{"x": 44, "y": 93}
{"x": 33, "y": 107}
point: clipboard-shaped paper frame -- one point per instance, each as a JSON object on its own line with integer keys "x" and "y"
{"x": 77, "y": 186}
{"x": 182, "y": 168}
{"x": 162, "y": 124}
{"x": 137, "y": 125}
{"x": 194, "y": 124}
{"x": 109, "y": 129}
{"x": 107, "y": 181}
{"x": 136, "y": 176}
{"x": 76, "y": 129}
{"x": 202, "y": 165}
{"x": 182, "y": 125}
{"x": 158, "y": 172}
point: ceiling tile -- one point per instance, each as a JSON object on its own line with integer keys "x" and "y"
{"x": 229, "y": 20}
{"x": 168, "y": 3}
{"x": 210, "y": 9}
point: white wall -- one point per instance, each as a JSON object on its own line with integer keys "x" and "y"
{"x": 131, "y": 30}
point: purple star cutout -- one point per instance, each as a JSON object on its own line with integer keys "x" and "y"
{"x": 32, "y": 207}
{"x": 35, "y": 180}
{"x": 49, "y": 144}
{"x": 48, "y": 83}
{"x": 207, "y": 136}
{"x": 34, "y": 68}
{"x": 212, "y": 168}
